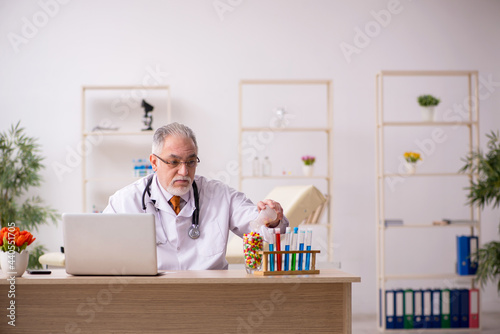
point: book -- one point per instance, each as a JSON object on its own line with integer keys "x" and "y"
{"x": 399, "y": 308}
{"x": 464, "y": 308}
{"x": 418, "y": 320}
{"x": 427, "y": 308}
{"x": 463, "y": 253}
{"x": 473, "y": 245}
{"x": 436, "y": 308}
{"x": 389, "y": 309}
{"x": 454, "y": 308}
{"x": 473, "y": 308}
{"x": 393, "y": 222}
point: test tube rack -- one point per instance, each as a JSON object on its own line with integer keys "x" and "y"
{"x": 265, "y": 263}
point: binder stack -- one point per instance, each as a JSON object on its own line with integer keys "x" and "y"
{"x": 466, "y": 248}
{"x": 431, "y": 308}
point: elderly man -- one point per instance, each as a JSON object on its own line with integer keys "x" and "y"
{"x": 193, "y": 214}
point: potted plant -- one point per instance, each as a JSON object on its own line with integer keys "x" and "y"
{"x": 20, "y": 166}
{"x": 411, "y": 159}
{"x": 13, "y": 253}
{"x": 308, "y": 167}
{"x": 484, "y": 190}
{"x": 428, "y": 102}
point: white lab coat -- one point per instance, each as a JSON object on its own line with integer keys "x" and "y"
{"x": 222, "y": 209}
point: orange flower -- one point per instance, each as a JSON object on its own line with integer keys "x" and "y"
{"x": 21, "y": 239}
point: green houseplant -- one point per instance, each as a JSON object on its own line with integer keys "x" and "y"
{"x": 428, "y": 102}
{"x": 484, "y": 191}
{"x": 20, "y": 166}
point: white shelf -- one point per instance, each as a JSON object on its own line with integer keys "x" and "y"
{"x": 297, "y": 177}
{"x": 471, "y": 125}
{"x": 426, "y": 277}
{"x": 118, "y": 133}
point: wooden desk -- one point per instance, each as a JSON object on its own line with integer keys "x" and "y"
{"x": 225, "y": 301}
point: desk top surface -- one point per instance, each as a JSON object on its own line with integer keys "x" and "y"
{"x": 59, "y": 276}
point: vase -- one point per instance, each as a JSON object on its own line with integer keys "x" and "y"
{"x": 411, "y": 167}
{"x": 253, "y": 244}
{"x": 14, "y": 264}
{"x": 428, "y": 114}
{"x": 308, "y": 170}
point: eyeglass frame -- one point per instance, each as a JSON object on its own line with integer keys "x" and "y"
{"x": 171, "y": 164}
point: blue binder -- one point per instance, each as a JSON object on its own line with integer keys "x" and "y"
{"x": 399, "y": 308}
{"x": 464, "y": 308}
{"x": 427, "y": 308}
{"x": 436, "y": 308}
{"x": 454, "y": 308}
{"x": 463, "y": 252}
{"x": 418, "y": 320}
{"x": 389, "y": 309}
{"x": 473, "y": 245}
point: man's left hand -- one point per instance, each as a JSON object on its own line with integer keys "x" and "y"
{"x": 276, "y": 207}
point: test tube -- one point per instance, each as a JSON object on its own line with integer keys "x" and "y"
{"x": 302, "y": 236}
{"x": 278, "y": 248}
{"x": 287, "y": 248}
{"x": 271, "y": 248}
{"x": 308, "y": 247}
{"x": 294, "y": 246}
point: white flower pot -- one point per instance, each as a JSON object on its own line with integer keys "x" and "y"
{"x": 14, "y": 264}
{"x": 428, "y": 114}
{"x": 411, "y": 167}
{"x": 308, "y": 170}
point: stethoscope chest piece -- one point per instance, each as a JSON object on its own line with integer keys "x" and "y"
{"x": 194, "y": 232}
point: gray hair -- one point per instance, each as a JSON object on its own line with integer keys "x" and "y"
{"x": 172, "y": 129}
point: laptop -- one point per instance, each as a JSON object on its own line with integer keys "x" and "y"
{"x": 109, "y": 244}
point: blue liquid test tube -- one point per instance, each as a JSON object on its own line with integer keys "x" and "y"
{"x": 271, "y": 248}
{"x": 308, "y": 247}
{"x": 287, "y": 248}
{"x": 302, "y": 236}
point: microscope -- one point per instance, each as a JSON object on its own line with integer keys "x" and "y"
{"x": 147, "y": 118}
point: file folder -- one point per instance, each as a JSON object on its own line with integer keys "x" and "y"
{"x": 463, "y": 251}
{"x": 436, "y": 308}
{"x": 399, "y": 308}
{"x": 389, "y": 309}
{"x": 445, "y": 308}
{"x": 427, "y": 308}
{"x": 464, "y": 308}
{"x": 454, "y": 308}
{"x": 473, "y": 245}
{"x": 408, "y": 309}
{"x": 474, "y": 308}
{"x": 418, "y": 320}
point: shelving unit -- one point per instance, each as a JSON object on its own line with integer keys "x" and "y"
{"x": 107, "y": 154}
{"x": 321, "y": 89}
{"x": 468, "y": 121}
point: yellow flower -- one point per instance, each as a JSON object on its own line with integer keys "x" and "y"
{"x": 412, "y": 157}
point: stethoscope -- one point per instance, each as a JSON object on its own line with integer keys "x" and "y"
{"x": 194, "y": 230}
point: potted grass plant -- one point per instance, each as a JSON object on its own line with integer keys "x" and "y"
{"x": 485, "y": 190}
{"x": 20, "y": 167}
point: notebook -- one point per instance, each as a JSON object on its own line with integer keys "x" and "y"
{"x": 110, "y": 244}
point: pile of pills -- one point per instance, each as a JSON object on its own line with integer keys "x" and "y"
{"x": 252, "y": 244}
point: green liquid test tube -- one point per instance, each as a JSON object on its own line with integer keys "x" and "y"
{"x": 294, "y": 246}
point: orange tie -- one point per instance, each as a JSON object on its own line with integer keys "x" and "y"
{"x": 176, "y": 204}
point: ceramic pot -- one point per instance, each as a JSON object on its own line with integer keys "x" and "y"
{"x": 411, "y": 167}
{"x": 308, "y": 170}
{"x": 428, "y": 114}
{"x": 14, "y": 264}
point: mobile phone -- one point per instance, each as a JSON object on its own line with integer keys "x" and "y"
{"x": 38, "y": 272}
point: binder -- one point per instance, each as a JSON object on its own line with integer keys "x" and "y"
{"x": 454, "y": 308}
{"x": 418, "y": 320}
{"x": 427, "y": 308}
{"x": 399, "y": 308}
{"x": 436, "y": 308}
{"x": 389, "y": 309}
{"x": 474, "y": 308}
{"x": 473, "y": 245}
{"x": 463, "y": 251}
{"x": 445, "y": 308}
{"x": 408, "y": 309}
{"x": 464, "y": 308}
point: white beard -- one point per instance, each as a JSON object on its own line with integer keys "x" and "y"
{"x": 176, "y": 191}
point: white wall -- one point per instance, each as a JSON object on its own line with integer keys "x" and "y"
{"x": 203, "y": 57}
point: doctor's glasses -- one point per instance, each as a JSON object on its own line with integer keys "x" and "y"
{"x": 193, "y": 162}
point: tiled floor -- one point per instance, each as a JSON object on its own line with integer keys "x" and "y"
{"x": 366, "y": 324}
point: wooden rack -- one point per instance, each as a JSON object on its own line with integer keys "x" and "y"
{"x": 265, "y": 263}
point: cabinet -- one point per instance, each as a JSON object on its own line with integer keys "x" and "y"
{"x": 279, "y": 122}
{"x": 419, "y": 253}
{"x": 113, "y": 137}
